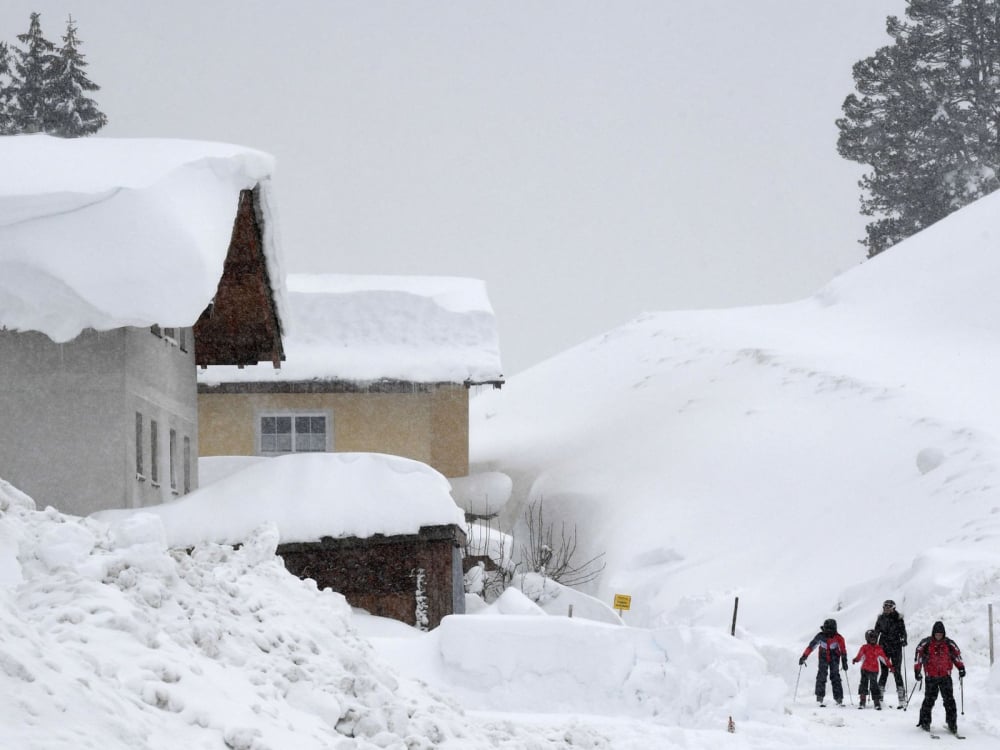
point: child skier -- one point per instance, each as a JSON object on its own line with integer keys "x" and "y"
{"x": 872, "y": 658}
{"x": 831, "y": 647}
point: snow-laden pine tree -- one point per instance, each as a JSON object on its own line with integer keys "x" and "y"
{"x": 6, "y": 92}
{"x": 70, "y": 112}
{"x": 925, "y": 117}
{"x": 33, "y": 70}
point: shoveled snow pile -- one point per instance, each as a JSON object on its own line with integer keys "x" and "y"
{"x": 109, "y": 640}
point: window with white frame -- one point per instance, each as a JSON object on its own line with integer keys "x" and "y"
{"x": 293, "y": 433}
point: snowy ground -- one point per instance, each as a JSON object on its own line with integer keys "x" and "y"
{"x": 812, "y": 459}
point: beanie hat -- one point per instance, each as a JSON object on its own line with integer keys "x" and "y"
{"x": 938, "y": 628}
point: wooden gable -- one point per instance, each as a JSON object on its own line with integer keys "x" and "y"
{"x": 241, "y": 325}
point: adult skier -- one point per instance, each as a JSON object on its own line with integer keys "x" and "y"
{"x": 935, "y": 656}
{"x": 891, "y": 631}
{"x": 831, "y": 649}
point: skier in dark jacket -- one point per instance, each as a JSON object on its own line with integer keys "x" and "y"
{"x": 831, "y": 649}
{"x": 891, "y": 631}
{"x": 935, "y": 656}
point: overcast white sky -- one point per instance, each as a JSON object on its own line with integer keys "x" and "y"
{"x": 589, "y": 160}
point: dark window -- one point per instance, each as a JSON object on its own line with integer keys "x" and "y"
{"x": 173, "y": 459}
{"x": 154, "y": 468}
{"x": 187, "y": 465}
{"x": 138, "y": 444}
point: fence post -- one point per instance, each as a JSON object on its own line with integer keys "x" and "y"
{"x": 736, "y": 606}
{"x": 991, "y": 633}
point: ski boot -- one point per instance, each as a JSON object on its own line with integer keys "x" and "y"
{"x": 861, "y": 702}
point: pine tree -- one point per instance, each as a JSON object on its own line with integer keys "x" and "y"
{"x": 925, "y": 117}
{"x": 6, "y": 92}
{"x": 33, "y": 66}
{"x": 70, "y": 112}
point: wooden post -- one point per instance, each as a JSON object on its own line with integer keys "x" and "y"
{"x": 990, "y": 608}
{"x": 570, "y": 610}
{"x": 736, "y": 606}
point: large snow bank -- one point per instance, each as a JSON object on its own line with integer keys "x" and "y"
{"x": 308, "y": 496}
{"x": 110, "y": 642}
{"x": 503, "y": 662}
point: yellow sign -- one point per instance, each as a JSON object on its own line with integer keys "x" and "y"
{"x": 623, "y": 601}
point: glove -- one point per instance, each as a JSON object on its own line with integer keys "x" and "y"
{"x": 961, "y": 673}
{"x": 916, "y": 675}
{"x": 844, "y": 663}
{"x": 802, "y": 661}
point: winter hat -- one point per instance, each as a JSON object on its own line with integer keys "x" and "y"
{"x": 938, "y": 628}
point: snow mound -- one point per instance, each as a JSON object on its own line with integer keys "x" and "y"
{"x": 308, "y": 496}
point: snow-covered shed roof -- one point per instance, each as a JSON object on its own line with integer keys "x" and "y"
{"x": 308, "y": 496}
{"x": 105, "y": 232}
{"x": 419, "y": 329}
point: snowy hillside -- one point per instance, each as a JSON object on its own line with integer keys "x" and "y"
{"x": 812, "y": 458}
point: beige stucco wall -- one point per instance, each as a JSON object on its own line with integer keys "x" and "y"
{"x": 430, "y": 426}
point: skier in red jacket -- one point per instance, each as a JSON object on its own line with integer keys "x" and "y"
{"x": 872, "y": 658}
{"x": 831, "y": 649}
{"x": 935, "y": 656}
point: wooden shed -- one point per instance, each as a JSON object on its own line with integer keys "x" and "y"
{"x": 413, "y": 578}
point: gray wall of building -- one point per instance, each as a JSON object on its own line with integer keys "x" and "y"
{"x": 67, "y": 415}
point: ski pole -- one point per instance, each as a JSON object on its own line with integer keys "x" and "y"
{"x": 795, "y": 695}
{"x": 961, "y": 692}
{"x": 847, "y": 680}
{"x": 915, "y": 684}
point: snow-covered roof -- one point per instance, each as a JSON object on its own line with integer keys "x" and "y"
{"x": 308, "y": 496}
{"x": 421, "y": 329}
{"x": 103, "y": 233}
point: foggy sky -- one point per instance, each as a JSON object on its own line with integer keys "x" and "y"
{"x": 589, "y": 160}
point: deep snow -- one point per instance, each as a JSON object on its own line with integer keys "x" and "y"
{"x": 812, "y": 459}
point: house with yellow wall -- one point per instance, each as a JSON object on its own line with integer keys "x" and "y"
{"x": 380, "y": 364}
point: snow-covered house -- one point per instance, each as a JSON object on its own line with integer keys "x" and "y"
{"x": 123, "y": 263}
{"x": 378, "y": 364}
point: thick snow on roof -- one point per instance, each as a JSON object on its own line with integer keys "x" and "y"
{"x": 420, "y": 329}
{"x": 308, "y": 496}
{"x": 102, "y": 233}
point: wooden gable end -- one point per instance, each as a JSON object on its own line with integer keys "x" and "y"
{"x": 241, "y": 326}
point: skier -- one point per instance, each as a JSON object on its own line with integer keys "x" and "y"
{"x": 935, "y": 655}
{"x": 891, "y": 631}
{"x": 871, "y": 657}
{"x": 831, "y": 647}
